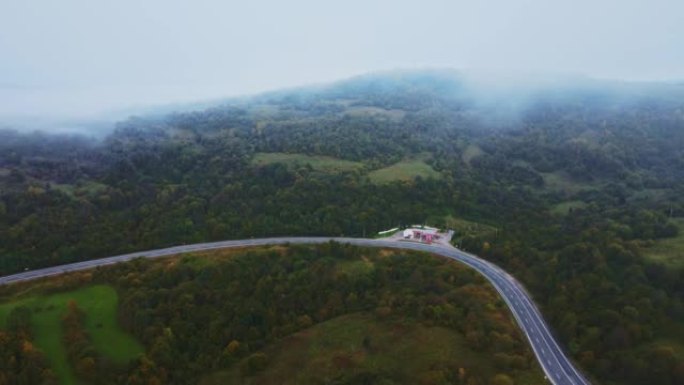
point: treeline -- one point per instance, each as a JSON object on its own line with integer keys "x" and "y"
{"x": 21, "y": 363}
{"x": 607, "y": 303}
{"x": 87, "y": 363}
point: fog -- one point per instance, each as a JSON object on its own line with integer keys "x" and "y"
{"x": 94, "y": 61}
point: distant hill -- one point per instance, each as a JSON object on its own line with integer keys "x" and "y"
{"x": 579, "y": 183}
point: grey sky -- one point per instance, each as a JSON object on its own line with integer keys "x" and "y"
{"x": 80, "y": 57}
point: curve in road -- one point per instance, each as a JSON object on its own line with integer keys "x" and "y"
{"x": 558, "y": 368}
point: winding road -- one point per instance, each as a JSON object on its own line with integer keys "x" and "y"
{"x": 557, "y": 366}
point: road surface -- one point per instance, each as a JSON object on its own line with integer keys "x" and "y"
{"x": 558, "y": 368}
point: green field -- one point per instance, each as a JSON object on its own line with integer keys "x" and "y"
{"x": 563, "y": 208}
{"x": 87, "y": 189}
{"x": 669, "y": 251}
{"x": 406, "y": 170}
{"x": 394, "y": 115}
{"x": 356, "y": 268}
{"x": 650, "y": 195}
{"x": 100, "y": 305}
{"x": 471, "y": 152}
{"x": 357, "y": 347}
{"x": 463, "y": 227}
{"x": 318, "y": 163}
{"x": 562, "y": 183}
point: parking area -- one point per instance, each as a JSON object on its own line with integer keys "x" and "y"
{"x": 423, "y": 235}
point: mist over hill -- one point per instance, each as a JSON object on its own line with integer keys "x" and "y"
{"x": 505, "y": 95}
{"x": 546, "y": 137}
{"x": 574, "y": 185}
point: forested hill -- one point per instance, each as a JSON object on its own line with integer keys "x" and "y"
{"x": 571, "y": 185}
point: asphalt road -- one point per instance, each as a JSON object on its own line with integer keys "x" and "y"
{"x": 558, "y": 368}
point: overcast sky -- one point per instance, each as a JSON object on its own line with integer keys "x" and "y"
{"x": 81, "y": 57}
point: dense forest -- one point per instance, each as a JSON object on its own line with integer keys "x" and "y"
{"x": 577, "y": 181}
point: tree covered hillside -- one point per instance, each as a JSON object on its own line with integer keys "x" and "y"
{"x": 577, "y": 182}
{"x": 225, "y": 317}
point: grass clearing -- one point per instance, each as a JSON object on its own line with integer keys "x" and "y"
{"x": 91, "y": 188}
{"x": 317, "y": 162}
{"x": 650, "y": 195}
{"x": 471, "y": 152}
{"x": 100, "y": 305}
{"x": 80, "y": 189}
{"x": 669, "y": 251}
{"x": 564, "y": 208}
{"x": 559, "y": 181}
{"x": 356, "y": 268}
{"x": 394, "y": 114}
{"x": 67, "y": 189}
{"x": 356, "y": 346}
{"x": 463, "y": 227}
{"x": 406, "y": 170}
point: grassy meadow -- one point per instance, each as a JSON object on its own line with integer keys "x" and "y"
{"x": 99, "y": 302}
{"x": 463, "y": 227}
{"x": 317, "y": 163}
{"x": 564, "y": 208}
{"x": 669, "y": 251}
{"x": 406, "y": 170}
{"x": 366, "y": 348}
